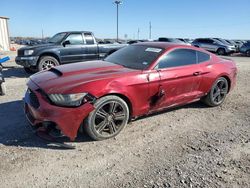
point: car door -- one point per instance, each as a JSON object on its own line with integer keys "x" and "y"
{"x": 211, "y": 45}
{"x": 180, "y": 77}
{"x": 91, "y": 47}
{"x": 73, "y": 49}
{"x": 206, "y": 44}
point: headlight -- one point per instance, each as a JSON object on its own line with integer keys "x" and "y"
{"x": 230, "y": 47}
{"x": 70, "y": 100}
{"x": 28, "y": 52}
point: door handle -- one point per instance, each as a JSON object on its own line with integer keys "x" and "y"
{"x": 196, "y": 73}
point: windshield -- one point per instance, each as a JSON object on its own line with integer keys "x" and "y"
{"x": 225, "y": 42}
{"x": 135, "y": 56}
{"x": 219, "y": 42}
{"x": 57, "y": 38}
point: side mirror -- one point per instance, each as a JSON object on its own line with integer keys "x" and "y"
{"x": 65, "y": 43}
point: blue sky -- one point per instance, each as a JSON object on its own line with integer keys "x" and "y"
{"x": 170, "y": 18}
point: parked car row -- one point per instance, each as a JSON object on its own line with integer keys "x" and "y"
{"x": 215, "y": 45}
{"x": 223, "y": 46}
{"x": 30, "y": 42}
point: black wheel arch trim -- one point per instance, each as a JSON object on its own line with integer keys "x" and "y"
{"x": 52, "y": 54}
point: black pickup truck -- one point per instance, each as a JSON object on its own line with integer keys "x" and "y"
{"x": 62, "y": 48}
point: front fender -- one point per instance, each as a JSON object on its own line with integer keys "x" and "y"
{"x": 55, "y": 53}
{"x": 136, "y": 97}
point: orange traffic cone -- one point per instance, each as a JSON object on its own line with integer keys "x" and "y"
{"x": 12, "y": 49}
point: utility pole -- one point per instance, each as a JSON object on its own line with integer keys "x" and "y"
{"x": 150, "y": 30}
{"x": 42, "y": 33}
{"x": 117, "y": 2}
{"x": 138, "y": 34}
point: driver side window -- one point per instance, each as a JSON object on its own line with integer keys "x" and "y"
{"x": 75, "y": 39}
{"x": 176, "y": 58}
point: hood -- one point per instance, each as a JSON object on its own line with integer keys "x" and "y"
{"x": 39, "y": 46}
{"x": 64, "y": 78}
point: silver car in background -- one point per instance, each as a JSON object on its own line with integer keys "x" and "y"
{"x": 214, "y": 45}
{"x": 173, "y": 40}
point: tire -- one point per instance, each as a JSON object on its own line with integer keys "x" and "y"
{"x": 30, "y": 70}
{"x": 221, "y": 51}
{"x": 108, "y": 119}
{"x": 47, "y": 62}
{"x": 2, "y": 89}
{"x": 248, "y": 53}
{"x": 218, "y": 92}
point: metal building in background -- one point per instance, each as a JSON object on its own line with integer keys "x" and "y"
{"x": 4, "y": 34}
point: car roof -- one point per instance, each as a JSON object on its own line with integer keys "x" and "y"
{"x": 164, "y": 45}
{"x": 75, "y": 32}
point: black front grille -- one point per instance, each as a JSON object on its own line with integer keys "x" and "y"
{"x": 33, "y": 99}
{"x": 20, "y": 52}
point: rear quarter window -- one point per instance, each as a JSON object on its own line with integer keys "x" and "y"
{"x": 203, "y": 57}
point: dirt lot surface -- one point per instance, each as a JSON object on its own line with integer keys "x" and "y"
{"x": 191, "y": 146}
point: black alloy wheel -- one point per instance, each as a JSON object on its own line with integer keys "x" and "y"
{"x": 110, "y": 116}
{"x": 218, "y": 92}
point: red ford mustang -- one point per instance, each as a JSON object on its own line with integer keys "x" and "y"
{"x": 102, "y": 96}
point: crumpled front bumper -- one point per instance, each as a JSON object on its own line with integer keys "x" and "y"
{"x": 68, "y": 120}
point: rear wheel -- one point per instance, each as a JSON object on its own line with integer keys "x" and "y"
{"x": 47, "y": 62}
{"x": 110, "y": 116}
{"x": 221, "y": 51}
{"x": 248, "y": 53}
{"x": 218, "y": 92}
{"x": 2, "y": 88}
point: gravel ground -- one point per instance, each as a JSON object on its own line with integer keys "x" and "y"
{"x": 191, "y": 146}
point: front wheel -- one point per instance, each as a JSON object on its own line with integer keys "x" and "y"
{"x": 47, "y": 62}
{"x": 248, "y": 53}
{"x": 221, "y": 51}
{"x": 110, "y": 116}
{"x": 218, "y": 92}
{"x": 2, "y": 89}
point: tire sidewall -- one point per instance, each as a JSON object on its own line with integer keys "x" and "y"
{"x": 248, "y": 53}
{"x": 89, "y": 122}
{"x": 211, "y": 92}
{"x": 221, "y": 51}
{"x": 44, "y": 58}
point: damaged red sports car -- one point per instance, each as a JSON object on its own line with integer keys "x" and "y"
{"x": 102, "y": 96}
